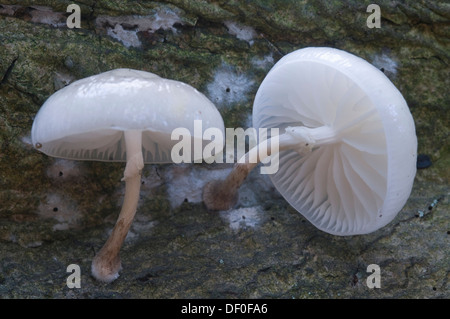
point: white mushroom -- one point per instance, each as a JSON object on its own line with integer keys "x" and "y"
{"x": 347, "y": 146}
{"x": 120, "y": 115}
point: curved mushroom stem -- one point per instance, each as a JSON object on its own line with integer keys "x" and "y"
{"x": 223, "y": 195}
{"x": 106, "y": 264}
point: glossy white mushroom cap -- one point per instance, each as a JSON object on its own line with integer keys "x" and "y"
{"x": 359, "y": 182}
{"x": 86, "y": 119}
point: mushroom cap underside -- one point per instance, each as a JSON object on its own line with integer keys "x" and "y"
{"x": 359, "y": 183}
{"x": 86, "y": 119}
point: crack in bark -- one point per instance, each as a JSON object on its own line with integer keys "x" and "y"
{"x": 8, "y": 71}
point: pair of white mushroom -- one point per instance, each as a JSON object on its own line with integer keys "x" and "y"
{"x": 347, "y": 151}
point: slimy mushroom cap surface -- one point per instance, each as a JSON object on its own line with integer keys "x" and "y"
{"x": 86, "y": 119}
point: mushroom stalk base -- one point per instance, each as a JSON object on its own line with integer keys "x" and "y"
{"x": 106, "y": 264}
{"x": 223, "y": 195}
